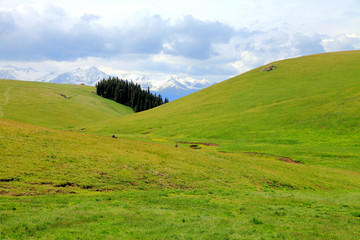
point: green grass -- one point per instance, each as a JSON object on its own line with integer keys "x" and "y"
{"x": 63, "y": 185}
{"x": 63, "y": 177}
{"x": 182, "y": 215}
{"x": 306, "y": 109}
{"x": 42, "y": 161}
{"x": 44, "y": 104}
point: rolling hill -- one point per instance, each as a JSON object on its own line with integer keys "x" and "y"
{"x": 54, "y": 105}
{"x": 305, "y": 109}
{"x": 265, "y": 155}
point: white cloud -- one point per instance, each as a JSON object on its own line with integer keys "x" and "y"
{"x": 342, "y": 42}
{"x": 181, "y": 37}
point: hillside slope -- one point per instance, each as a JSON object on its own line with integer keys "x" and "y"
{"x": 37, "y": 160}
{"x": 57, "y": 106}
{"x": 58, "y": 184}
{"x": 306, "y": 108}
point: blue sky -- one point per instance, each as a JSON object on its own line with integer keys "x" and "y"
{"x": 200, "y": 39}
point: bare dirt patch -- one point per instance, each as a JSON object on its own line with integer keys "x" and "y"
{"x": 195, "y": 146}
{"x": 197, "y": 143}
{"x": 287, "y": 159}
{"x": 284, "y": 159}
{"x": 321, "y": 187}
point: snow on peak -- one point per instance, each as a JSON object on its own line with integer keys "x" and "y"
{"x": 19, "y": 73}
{"x": 176, "y": 82}
{"x": 88, "y": 76}
{"x": 173, "y": 86}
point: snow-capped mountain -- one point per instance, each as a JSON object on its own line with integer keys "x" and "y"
{"x": 171, "y": 86}
{"x": 176, "y": 82}
{"x": 17, "y": 73}
{"x": 88, "y": 76}
{"x": 141, "y": 79}
{"x": 175, "y": 87}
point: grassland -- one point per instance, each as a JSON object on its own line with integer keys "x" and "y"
{"x": 287, "y": 164}
{"x": 55, "y": 106}
{"x": 306, "y": 109}
{"x": 63, "y": 185}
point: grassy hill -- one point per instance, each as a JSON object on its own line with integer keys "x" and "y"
{"x": 306, "y": 108}
{"x": 287, "y": 164}
{"x": 66, "y": 185}
{"x": 57, "y": 106}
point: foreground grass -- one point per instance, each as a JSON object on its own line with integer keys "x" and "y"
{"x": 177, "y": 214}
{"x": 63, "y": 185}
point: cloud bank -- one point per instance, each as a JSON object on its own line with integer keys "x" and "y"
{"x": 152, "y": 43}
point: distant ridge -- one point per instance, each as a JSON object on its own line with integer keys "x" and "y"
{"x": 171, "y": 86}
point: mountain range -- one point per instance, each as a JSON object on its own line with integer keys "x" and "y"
{"x": 171, "y": 86}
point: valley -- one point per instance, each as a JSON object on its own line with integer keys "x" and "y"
{"x": 264, "y": 155}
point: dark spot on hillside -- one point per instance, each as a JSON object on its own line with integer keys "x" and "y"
{"x": 276, "y": 185}
{"x": 284, "y": 159}
{"x": 101, "y": 173}
{"x": 287, "y": 159}
{"x": 63, "y": 95}
{"x": 320, "y": 187}
{"x": 195, "y": 146}
{"x": 67, "y": 184}
{"x": 268, "y": 68}
{"x": 7, "y": 179}
{"x": 41, "y": 183}
{"x": 223, "y": 152}
{"x": 196, "y": 143}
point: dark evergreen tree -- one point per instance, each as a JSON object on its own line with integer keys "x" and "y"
{"x": 128, "y": 93}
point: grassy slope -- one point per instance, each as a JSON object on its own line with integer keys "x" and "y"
{"x": 41, "y": 104}
{"x": 38, "y": 160}
{"x": 127, "y": 189}
{"x": 96, "y": 187}
{"x": 306, "y": 109}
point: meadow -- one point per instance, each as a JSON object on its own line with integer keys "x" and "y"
{"x": 265, "y": 155}
{"x": 55, "y": 106}
{"x": 307, "y": 109}
{"x": 63, "y": 185}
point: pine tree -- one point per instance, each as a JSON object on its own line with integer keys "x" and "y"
{"x": 128, "y": 93}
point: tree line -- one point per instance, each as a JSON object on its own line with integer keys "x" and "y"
{"x": 128, "y": 93}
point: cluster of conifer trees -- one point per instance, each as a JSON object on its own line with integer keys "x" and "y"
{"x": 129, "y": 94}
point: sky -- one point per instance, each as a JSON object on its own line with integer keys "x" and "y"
{"x": 201, "y": 39}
